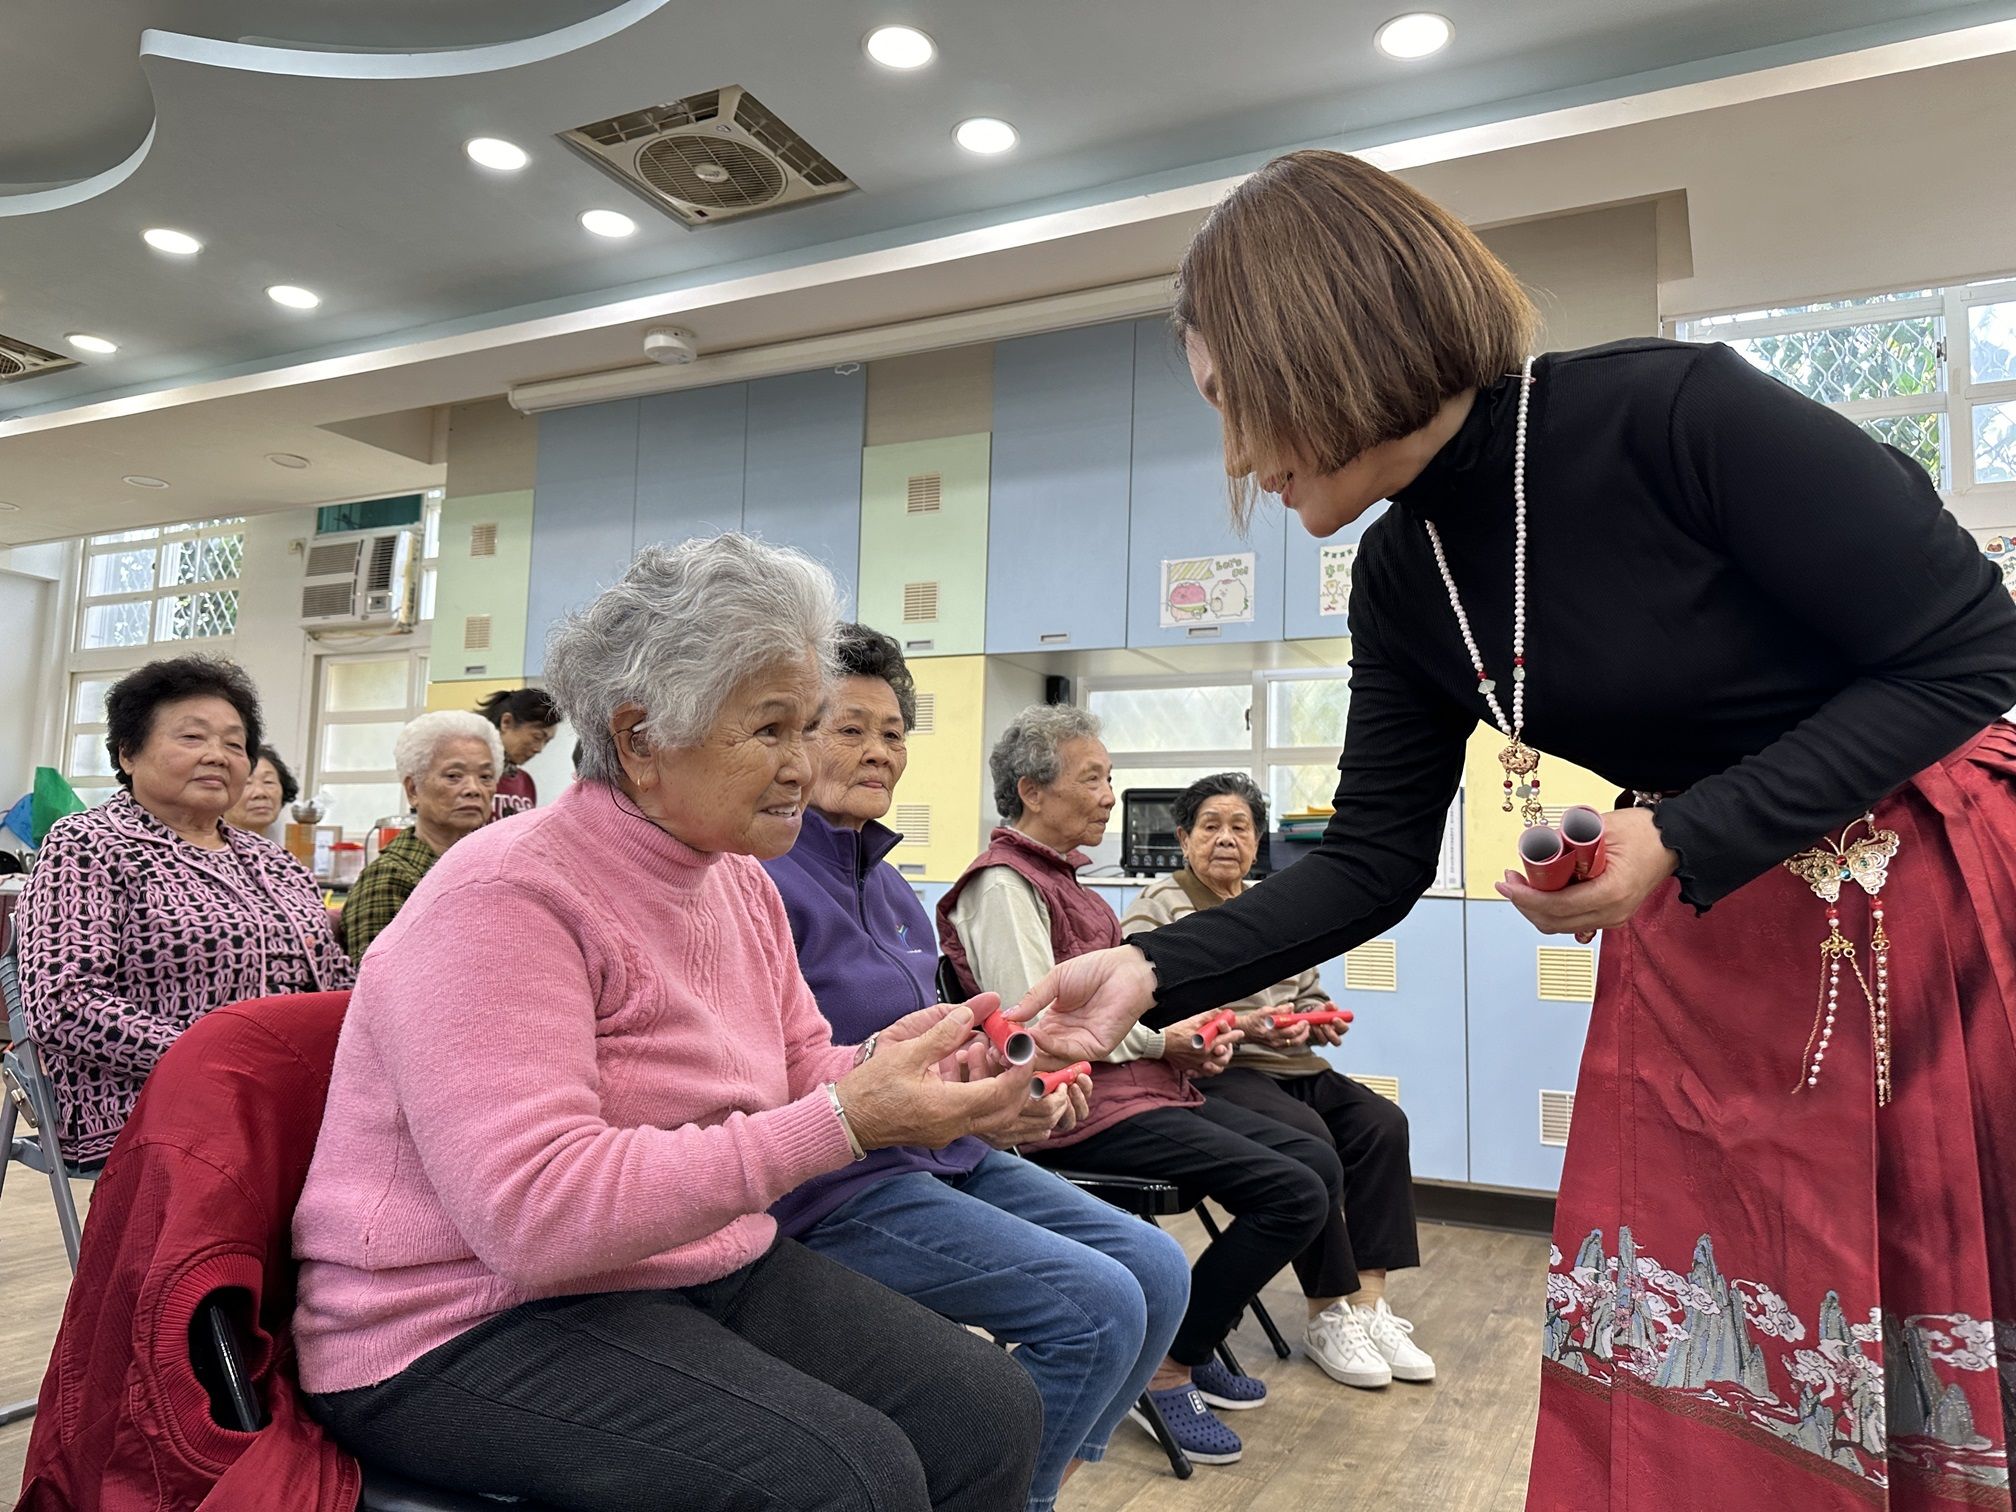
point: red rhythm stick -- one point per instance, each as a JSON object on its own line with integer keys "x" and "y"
{"x": 1328, "y": 1014}
{"x": 1582, "y": 838}
{"x": 1045, "y": 1082}
{"x": 1207, "y": 1033}
{"x": 1550, "y": 865}
{"x": 1014, "y": 1042}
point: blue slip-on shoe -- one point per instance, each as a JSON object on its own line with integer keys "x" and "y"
{"x": 1199, "y": 1434}
{"x": 1222, "y": 1389}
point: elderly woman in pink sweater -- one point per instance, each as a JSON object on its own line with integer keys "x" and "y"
{"x": 579, "y": 1067}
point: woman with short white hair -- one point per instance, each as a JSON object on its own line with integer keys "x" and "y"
{"x": 579, "y": 1068}
{"x": 448, "y": 762}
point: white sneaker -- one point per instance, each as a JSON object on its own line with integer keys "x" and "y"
{"x": 1389, "y": 1335}
{"x": 1336, "y": 1340}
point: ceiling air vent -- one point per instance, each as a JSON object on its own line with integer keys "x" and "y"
{"x": 476, "y": 633}
{"x": 1557, "y": 1112}
{"x": 23, "y": 359}
{"x": 927, "y": 494}
{"x": 927, "y": 715}
{"x": 920, "y": 603}
{"x": 709, "y": 157}
{"x": 483, "y": 540}
{"x": 1387, "y": 1087}
{"x": 1373, "y": 967}
{"x": 913, "y": 823}
{"x": 1567, "y": 974}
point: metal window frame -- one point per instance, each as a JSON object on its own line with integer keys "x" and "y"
{"x": 160, "y": 540}
{"x": 322, "y": 718}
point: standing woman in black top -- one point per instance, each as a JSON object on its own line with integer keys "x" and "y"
{"x": 1786, "y": 1252}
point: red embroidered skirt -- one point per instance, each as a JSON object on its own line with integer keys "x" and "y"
{"x": 1799, "y": 1303}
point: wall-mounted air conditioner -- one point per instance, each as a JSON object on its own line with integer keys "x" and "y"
{"x": 363, "y": 577}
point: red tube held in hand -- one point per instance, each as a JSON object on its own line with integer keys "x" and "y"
{"x": 1582, "y": 838}
{"x": 1045, "y": 1082}
{"x": 1327, "y": 1015}
{"x": 1208, "y": 1032}
{"x": 1013, "y": 1041}
{"x": 1550, "y": 865}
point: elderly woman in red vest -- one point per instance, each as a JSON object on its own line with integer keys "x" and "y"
{"x": 1017, "y": 911}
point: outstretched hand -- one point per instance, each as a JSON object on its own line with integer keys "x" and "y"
{"x": 1088, "y": 1003}
{"x": 1637, "y": 861}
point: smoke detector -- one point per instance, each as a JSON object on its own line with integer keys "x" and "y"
{"x": 670, "y": 345}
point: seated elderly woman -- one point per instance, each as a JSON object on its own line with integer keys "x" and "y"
{"x": 448, "y": 763}
{"x": 148, "y": 911}
{"x": 268, "y": 791}
{"x": 578, "y": 1069}
{"x": 1019, "y": 909}
{"x": 1352, "y": 1333}
{"x": 1090, "y": 1295}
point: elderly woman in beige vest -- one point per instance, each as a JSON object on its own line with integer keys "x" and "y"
{"x": 1352, "y": 1334}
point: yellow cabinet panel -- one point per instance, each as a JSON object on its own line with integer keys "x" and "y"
{"x": 938, "y": 802}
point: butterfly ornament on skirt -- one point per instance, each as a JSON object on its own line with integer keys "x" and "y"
{"x": 1865, "y": 861}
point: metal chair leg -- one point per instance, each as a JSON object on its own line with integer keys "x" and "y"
{"x": 1179, "y": 1462}
{"x": 10, "y": 1412}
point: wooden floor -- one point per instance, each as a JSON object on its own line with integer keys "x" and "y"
{"x": 1457, "y": 1446}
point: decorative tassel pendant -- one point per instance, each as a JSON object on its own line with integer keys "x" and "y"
{"x": 1522, "y": 763}
{"x": 1865, "y": 862}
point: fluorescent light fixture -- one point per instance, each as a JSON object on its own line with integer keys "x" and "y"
{"x": 85, "y": 342}
{"x": 293, "y": 296}
{"x": 608, "y": 222}
{"x": 495, "y": 153}
{"x": 985, "y": 135}
{"x": 900, "y": 47}
{"x": 179, "y": 243}
{"x": 1414, "y": 35}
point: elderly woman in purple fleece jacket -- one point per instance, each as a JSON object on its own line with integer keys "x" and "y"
{"x": 1091, "y": 1296}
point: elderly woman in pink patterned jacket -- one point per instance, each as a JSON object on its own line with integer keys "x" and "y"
{"x": 146, "y": 912}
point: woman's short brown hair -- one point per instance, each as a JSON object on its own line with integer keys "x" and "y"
{"x": 1341, "y": 309}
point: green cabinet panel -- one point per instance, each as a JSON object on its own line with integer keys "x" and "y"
{"x": 485, "y": 580}
{"x": 924, "y": 544}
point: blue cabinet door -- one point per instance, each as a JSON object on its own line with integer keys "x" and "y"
{"x": 1522, "y": 1048}
{"x": 1303, "y": 616}
{"x": 584, "y": 511}
{"x": 689, "y": 464}
{"x": 1177, "y": 512}
{"x": 1415, "y": 1034}
{"x": 802, "y": 480}
{"x": 1057, "y": 513}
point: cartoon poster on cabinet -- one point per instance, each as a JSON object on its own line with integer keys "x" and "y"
{"x": 1207, "y": 591}
{"x": 1333, "y": 578}
{"x": 2001, "y": 550}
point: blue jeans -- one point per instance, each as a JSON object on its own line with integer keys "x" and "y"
{"x": 1090, "y": 1296}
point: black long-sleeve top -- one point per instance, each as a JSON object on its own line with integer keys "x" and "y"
{"x": 1733, "y": 594}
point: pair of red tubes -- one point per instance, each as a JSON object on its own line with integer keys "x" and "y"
{"x": 1329, "y": 1013}
{"x": 1554, "y": 858}
{"x": 1017, "y": 1047}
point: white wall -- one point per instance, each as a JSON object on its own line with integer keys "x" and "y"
{"x": 28, "y": 631}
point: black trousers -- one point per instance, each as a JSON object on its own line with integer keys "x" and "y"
{"x": 791, "y": 1383}
{"x": 1280, "y": 1184}
{"x": 1375, "y": 1228}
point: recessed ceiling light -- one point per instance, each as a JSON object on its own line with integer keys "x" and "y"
{"x": 141, "y": 480}
{"x": 496, "y": 153}
{"x": 1414, "y": 35}
{"x": 180, "y": 243}
{"x": 84, "y": 342}
{"x": 10, "y": 508}
{"x": 287, "y": 459}
{"x": 900, "y": 47}
{"x": 293, "y": 296}
{"x": 608, "y": 222}
{"x": 985, "y": 134}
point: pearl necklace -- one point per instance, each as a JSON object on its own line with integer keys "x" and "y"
{"x": 1520, "y": 761}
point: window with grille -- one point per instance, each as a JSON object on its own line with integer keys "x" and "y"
{"x": 430, "y": 550}
{"x": 160, "y": 584}
{"x": 1930, "y": 371}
